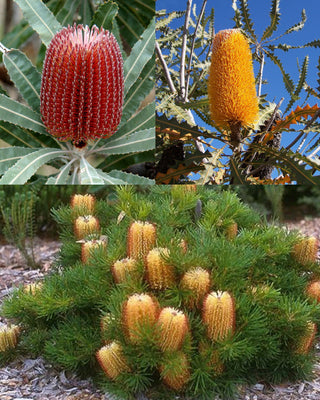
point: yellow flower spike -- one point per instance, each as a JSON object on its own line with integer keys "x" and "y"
{"x": 83, "y": 202}
{"x": 33, "y": 288}
{"x": 121, "y": 269}
{"x": 141, "y": 238}
{"x": 8, "y": 337}
{"x": 88, "y": 247}
{"x": 305, "y": 343}
{"x": 159, "y": 274}
{"x": 85, "y": 225}
{"x": 111, "y": 360}
{"x": 231, "y": 86}
{"x": 218, "y": 315}
{"x": 139, "y": 311}
{"x": 305, "y": 251}
{"x": 176, "y": 372}
{"x": 105, "y": 321}
{"x": 231, "y": 231}
{"x": 173, "y": 327}
{"x": 196, "y": 280}
{"x": 313, "y": 290}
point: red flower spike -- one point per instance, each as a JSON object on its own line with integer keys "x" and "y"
{"x": 82, "y": 85}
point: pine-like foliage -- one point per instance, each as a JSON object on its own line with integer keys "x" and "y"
{"x": 226, "y": 309}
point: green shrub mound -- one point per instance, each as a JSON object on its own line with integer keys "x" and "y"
{"x": 255, "y": 263}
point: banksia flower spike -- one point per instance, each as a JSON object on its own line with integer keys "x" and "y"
{"x": 159, "y": 274}
{"x": 8, "y": 337}
{"x": 176, "y": 372}
{"x": 84, "y": 226}
{"x": 111, "y": 360}
{"x": 88, "y": 247}
{"x": 197, "y": 281}
{"x": 305, "y": 343}
{"x": 121, "y": 269}
{"x": 82, "y": 85}
{"x": 305, "y": 251}
{"x": 139, "y": 311}
{"x": 141, "y": 238}
{"x": 173, "y": 327}
{"x": 231, "y": 87}
{"x": 33, "y": 288}
{"x": 231, "y": 231}
{"x": 105, "y": 321}
{"x": 313, "y": 290}
{"x": 218, "y": 315}
{"x": 85, "y": 204}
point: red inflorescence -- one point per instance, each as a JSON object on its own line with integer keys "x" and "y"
{"x": 82, "y": 84}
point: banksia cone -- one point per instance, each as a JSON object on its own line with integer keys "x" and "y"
{"x": 197, "y": 281}
{"x": 88, "y": 247}
{"x": 121, "y": 269}
{"x": 106, "y": 321}
{"x": 231, "y": 87}
{"x": 173, "y": 327}
{"x": 141, "y": 238}
{"x": 305, "y": 251}
{"x": 138, "y": 312}
{"x": 305, "y": 343}
{"x": 176, "y": 372}
{"x": 33, "y": 288}
{"x": 82, "y": 84}
{"x": 8, "y": 337}
{"x": 218, "y": 315}
{"x": 111, "y": 360}
{"x": 313, "y": 290}
{"x": 84, "y": 226}
{"x": 83, "y": 203}
{"x": 159, "y": 274}
{"x": 231, "y": 231}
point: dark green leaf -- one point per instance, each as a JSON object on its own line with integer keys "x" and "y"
{"x": 274, "y": 20}
{"x": 104, "y": 15}
{"x": 248, "y": 25}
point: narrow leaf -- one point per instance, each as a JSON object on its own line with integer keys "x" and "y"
{"x": 297, "y": 27}
{"x": 86, "y": 11}
{"x": 10, "y": 155}
{"x": 144, "y": 119}
{"x": 248, "y": 25}
{"x": 237, "y": 15}
{"x": 40, "y": 18}
{"x": 105, "y": 15}
{"x": 66, "y": 15}
{"x": 236, "y": 173}
{"x": 131, "y": 179}
{"x": 274, "y": 17}
{"x": 62, "y": 177}
{"x": 88, "y": 174}
{"x": 286, "y": 77}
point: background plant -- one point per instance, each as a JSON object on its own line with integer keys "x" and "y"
{"x": 183, "y": 59}
{"x": 30, "y": 150}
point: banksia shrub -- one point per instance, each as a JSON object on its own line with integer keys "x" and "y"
{"x": 124, "y": 268}
{"x": 86, "y": 225}
{"x": 159, "y": 274}
{"x": 111, "y": 360}
{"x": 8, "y": 337}
{"x": 313, "y": 290}
{"x": 82, "y": 84}
{"x": 83, "y": 203}
{"x": 141, "y": 238}
{"x": 173, "y": 327}
{"x": 88, "y": 247}
{"x": 176, "y": 372}
{"x": 306, "y": 341}
{"x": 218, "y": 315}
{"x": 305, "y": 251}
{"x": 231, "y": 86}
{"x": 197, "y": 281}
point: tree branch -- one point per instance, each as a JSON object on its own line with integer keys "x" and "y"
{"x": 183, "y": 53}
{"x": 165, "y": 68}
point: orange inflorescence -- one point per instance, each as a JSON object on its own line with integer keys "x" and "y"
{"x": 111, "y": 360}
{"x": 176, "y": 375}
{"x": 159, "y": 274}
{"x": 219, "y": 315}
{"x": 231, "y": 87}
{"x": 306, "y": 342}
{"x": 121, "y": 269}
{"x": 84, "y": 203}
{"x": 141, "y": 238}
{"x": 305, "y": 251}
{"x": 197, "y": 281}
{"x": 139, "y": 311}
{"x": 9, "y": 337}
{"x": 173, "y": 327}
{"x": 313, "y": 290}
{"x": 231, "y": 231}
{"x": 86, "y": 225}
{"x": 88, "y": 247}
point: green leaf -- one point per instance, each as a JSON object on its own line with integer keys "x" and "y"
{"x": 110, "y": 180}
{"x": 105, "y": 15}
{"x": 25, "y": 76}
{"x": 28, "y": 165}
{"x": 19, "y": 34}
{"x": 248, "y": 25}
{"x": 129, "y": 25}
{"x": 144, "y": 119}
{"x": 196, "y": 103}
{"x": 40, "y": 18}
{"x": 86, "y": 12}
{"x": 18, "y": 114}
{"x": 297, "y": 27}
{"x": 10, "y": 155}
{"x": 16, "y": 136}
{"x": 123, "y": 161}
{"x": 140, "y": 54}
{"x": 236, "y": 173}
{"x": 67, "y": 13}
{"x": 274, "y": 17}
{"x": 63, "y": 175}
{"x": 286, "y": 77}
{"x": 131, "y": 179}
{"x": 88, "y": 174}
{"x": 237, "y": 15}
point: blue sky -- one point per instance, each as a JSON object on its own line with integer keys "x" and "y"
{"x": 290, "y": 14}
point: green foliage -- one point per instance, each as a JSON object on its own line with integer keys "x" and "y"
{"x": 61, "y": 320}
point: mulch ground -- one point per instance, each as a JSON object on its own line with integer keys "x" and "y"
{"x": 36, "y": 379}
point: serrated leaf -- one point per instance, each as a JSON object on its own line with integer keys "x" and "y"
{"x": 62, "y": 177}
{"x": 25, "y": 76}
{"x": 66, "y": 15}
{"x": 264, "y": 115}
{"x": 40, "y": 18}
{"x": 294, "y": 117}
{"x": 144, "y": 119}
{"x": 237, "y": 177}
{"x": 18, "y": 114}
{"x": 237, "y": 14}
{"x": 129, "y": 24}
{"x": 10, "y": 155}
{"x": 110, "y": 180}
{"x": 123, "y": 161}
{"x": 19, "y": 34}
{"x": 286, "y": 77}
{"x": 105, "y": 15}
{"x": 164, "y": 22}
{"x": 131, "y": 179}
{"x": 274, "y": 20}
{"x": 86, "y": 11}
{"x": 204, "y": 102}
{"x": 27, "y": 166}
{"x": 16, "y": 136}
{"x": 248, "y": 25}
{"x": 297, "y": 27}
{"x": 88, "y": 174}
{"x": 140, "y": 54}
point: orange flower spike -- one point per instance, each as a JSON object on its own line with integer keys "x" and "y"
{"x": 313, "y": 290}
{"x": 85, "y": 203}
{"x": 8, "y": 337}
{"x": 197, "y": 281}
{"x": 141, "y": 239}
{"x": 173, "y": 326}
{"x": 88, "y": 247}
{"x": 159, "y": 274}
{"x": 111, "y": 360}
{"x": 176, "y": 378}
{"x": 231, "y": 86}
{"x": 122, "y": 268}
{"x": 305, "y": 251}
{"x": 219, "y": 315}
{"x": 84, "y": 226}
{"x": 305, "y": 343}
